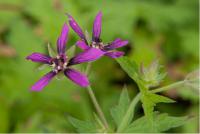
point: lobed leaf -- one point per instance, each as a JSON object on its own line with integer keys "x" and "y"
{"x": 163, "y": 122}
{"x": 83, "y": 126}
{"x": 149, "y": 101}
{"x": 119, "y": 111}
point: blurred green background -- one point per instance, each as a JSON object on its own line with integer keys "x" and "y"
{"x": 156, "y": 29}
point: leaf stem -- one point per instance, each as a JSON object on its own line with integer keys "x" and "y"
{"x": 171, "y": 86}
{"x": 95, "y": 102}
{"x": 129, "y": 113}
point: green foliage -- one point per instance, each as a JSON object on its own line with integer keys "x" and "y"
{"x": 130, "y": 67}
{"x": 163, "y": 122}
{"x": 152, "y": 75}
{"x": 83, "y": 126}
{"x": 118, "y": 112}
{"x": 149, "y": 101}
{"x": 91, "y": 126}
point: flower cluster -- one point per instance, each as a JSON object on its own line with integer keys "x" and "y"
{"x": 91, "y": 51}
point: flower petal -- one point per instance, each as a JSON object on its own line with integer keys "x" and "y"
{"x": 77, "y": 77}
{"x": 90, "y": 54}
{"x": 39, "y": 85}
{"x": 116, "y": 44}
{"x": 97, "y": 28}
{"x": 38, "y": 57}
{"x": 81, "y": 44}
{"x": 114, "y": 54}
{"x": 62, "y": 40}
{"x": 76, "y": 27}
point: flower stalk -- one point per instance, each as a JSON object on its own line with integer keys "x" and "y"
{"x": 97, "y": 106}
{"x": 95, "y": 102}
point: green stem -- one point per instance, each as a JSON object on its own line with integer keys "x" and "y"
{"x": 95, "y": 102}
{"x": 171, "y": 86}
{"x": 97, "y": 106}
{"x": 129, "y": 113}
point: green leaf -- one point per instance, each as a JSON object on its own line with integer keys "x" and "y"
{"x": 99, "y": 123}
{"x": 129, "y": 114}
{"x": 149, "y": 101}
{"x": 130, "y": 67}
{"x": 83, "y": 126}
{"x": 119, "y": 111}
{"x": 163, "y": 122}
{"x": 158, "y": 98}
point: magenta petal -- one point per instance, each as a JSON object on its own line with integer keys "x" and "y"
{"x": 116, "y": 44}
{"x": 76, "y": 27}
{"x": 77, "y": 77}
{"x": 39, "y": 85}
{"x": 62, "y": 40}
{"x": 97, "y": 28}
{"x": 81, "y": 44}
{"x": 90, "y": 54}
{"x": 114, "y": 54}
{"x": 38, "y": 57}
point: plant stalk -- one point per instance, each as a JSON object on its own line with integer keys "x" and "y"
{"x": 97, "y": 106}
{"x": 95, "y": 102}
{"x": 171, "y": 86}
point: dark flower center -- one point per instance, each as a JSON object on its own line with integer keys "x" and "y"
{"x": 98, "y": 45}
{"x": 59, "y": 63}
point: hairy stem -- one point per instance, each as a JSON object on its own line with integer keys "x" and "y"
{"x": 95, "y": 102}
{"x": 171, "y": 86}
{"x": 129, "y": 114}
{"x": 97, "y": 106}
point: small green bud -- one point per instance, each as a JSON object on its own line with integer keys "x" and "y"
{"x": 152, "y": 74}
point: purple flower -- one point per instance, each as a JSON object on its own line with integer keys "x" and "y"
{"x": 108, "y": 48}
{"x": 61, "y": 63}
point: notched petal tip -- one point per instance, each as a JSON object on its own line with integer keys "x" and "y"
{"x": 28, "y": 57}
{"x": 69, "y": 16}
